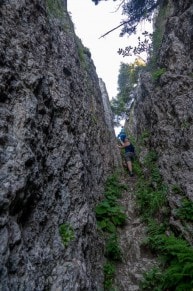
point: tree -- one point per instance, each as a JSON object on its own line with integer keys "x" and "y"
{"x": 136, "y": 11}
{"x": 127, "y": 79}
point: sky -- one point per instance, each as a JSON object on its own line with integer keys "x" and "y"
{"x": 91, "y": 21}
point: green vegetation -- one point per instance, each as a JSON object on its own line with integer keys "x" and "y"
{"x": 136, "y": 11}
{"x": 176, "y": 268}
{"x": 175, "y": 254}
{"x": 157, "y": 40}
{"x": 109, "y": 272}
{"x": 66, "y": 233}
{"x": 152, "y": 280}
{"x": 158, "y": 73}
{"x": 108, "y": 212}
{"x": 150, "y": 193}
{"x": 129, "y": 73}
{"x": 113, "y": 188}
{"x": 176, "y": 189}
{"x": 186, "y": 210}
{"x": 113, "y": 250}
{"x": 82, "y": 53}
{"x": 137, "y": 168}
{"x": 144, "y": 138}
{"x": 127, "y": 79}
{"x": 109, "y": 216}
{"x": 55, "y": 8}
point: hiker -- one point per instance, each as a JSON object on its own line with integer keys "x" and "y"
{"x": 129, "y": 154}
{"x": 122, "y": 134}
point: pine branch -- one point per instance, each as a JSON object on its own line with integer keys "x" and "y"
{"x": 114, "y": 29}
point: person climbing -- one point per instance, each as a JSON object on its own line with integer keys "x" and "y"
{"x": 122, "y": 134}
{"x": 129, "y": 154}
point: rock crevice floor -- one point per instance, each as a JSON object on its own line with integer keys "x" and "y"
{"x": 136, "y": 258}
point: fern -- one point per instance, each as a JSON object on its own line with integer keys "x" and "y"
{"x": 107, "y": 225}
{"x": 152, "y": 280}
{"x": 178, "y": 264}
{"x": 178, "y": 261}
{"x": 113, "y": 250}
{"x": 186, "y": 210}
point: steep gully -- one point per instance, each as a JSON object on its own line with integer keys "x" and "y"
{"x": 136, "y": 258}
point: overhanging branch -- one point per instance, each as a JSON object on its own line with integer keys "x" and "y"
{"x": 114, "y": 29}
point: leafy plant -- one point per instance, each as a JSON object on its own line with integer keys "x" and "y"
{"x": 175, "y": 254}
{"x": 177, "y": 263}
{"x": 186, "y": 210}
{"x": 137, "y": 168}
{"x": 109, "y": 213}
{"x": 113, "y": 250}
{"x": 109, "y": 272}
{"x": 154, "y": 231}
{"x": 149, "y": 200}
{"x": 136, "y": 11}
{"x": 113, "y": 188}
{"x": 106, "y": 225}
{"x": 144, "y": 138}
{"x": 127, "y": 79}
{"x": 152, "y": 280}
{"x": 66, "y": 233}
{"x": 150, "y": 158}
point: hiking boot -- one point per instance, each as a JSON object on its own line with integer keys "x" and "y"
{"x": 131, "y": 174}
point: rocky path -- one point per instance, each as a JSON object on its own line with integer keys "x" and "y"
{"x": 136, "y": 258}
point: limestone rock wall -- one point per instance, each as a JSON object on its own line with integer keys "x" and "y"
{"x": 165, "y": 108}
{"x": 54, "y": 150}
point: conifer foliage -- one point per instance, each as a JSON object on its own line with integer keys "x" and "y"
{"x": 135, "y": 10}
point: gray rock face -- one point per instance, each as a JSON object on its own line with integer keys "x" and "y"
{"x": 109, "y": 118}
{"x": 54, "y": 150}
{"x": 165, "y": 108}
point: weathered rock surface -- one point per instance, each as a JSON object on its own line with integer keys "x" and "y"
{"x": 136, "y": 258}
{"x": 165, "y": 108}
{"x": 54, "y": 150}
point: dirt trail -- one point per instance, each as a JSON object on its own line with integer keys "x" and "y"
{"x": 136, "y": 258}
